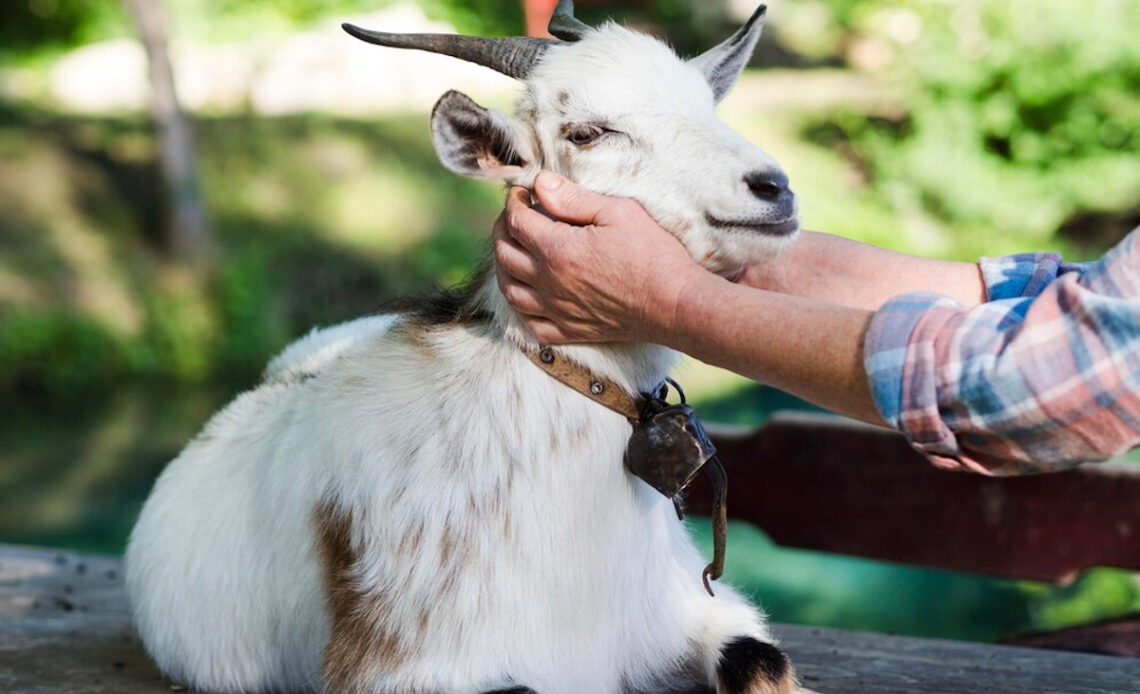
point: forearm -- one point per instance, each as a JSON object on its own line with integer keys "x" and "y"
{"x": 837, "y": 270}
{"x": 806, "y": 347}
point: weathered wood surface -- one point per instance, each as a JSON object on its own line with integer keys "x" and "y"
{"x": 64, "y": 629}
{"x": 827, "y": 484}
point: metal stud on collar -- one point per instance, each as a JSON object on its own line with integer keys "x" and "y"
{"x": 597, "y": 387}
{"x": 547, "y": 356}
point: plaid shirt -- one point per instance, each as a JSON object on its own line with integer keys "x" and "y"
{"x": 1044, "y": 375}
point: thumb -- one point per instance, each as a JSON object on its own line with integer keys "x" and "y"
{"x": 567, "y": 200}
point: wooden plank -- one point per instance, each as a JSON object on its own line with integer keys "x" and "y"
{"x": 64, "y": 629}
{"x": 824, "y": 483}
{"x": 833, "y": 661}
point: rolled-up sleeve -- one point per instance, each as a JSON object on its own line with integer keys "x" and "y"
{"x": 1043, "y": 376}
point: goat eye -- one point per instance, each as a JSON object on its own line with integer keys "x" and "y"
{"x": 584, "y": 134}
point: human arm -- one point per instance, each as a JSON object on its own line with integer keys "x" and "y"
{"x": 1041, "y": 377}
{"x": 841, "y": 271}
{"x": 575, "y": 283}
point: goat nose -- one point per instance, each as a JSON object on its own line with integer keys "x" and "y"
{"x": 767, "y": 185}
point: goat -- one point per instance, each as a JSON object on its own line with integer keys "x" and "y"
{"x": 407, "y": 504}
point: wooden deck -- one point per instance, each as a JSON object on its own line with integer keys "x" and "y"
{"x": 64, "y": 629}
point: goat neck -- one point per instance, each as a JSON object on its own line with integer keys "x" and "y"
{"x": 636, "y": 367}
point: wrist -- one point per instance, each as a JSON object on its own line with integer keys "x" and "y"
{"x": 690, "y": 293}
{"x": 796, "y": 269}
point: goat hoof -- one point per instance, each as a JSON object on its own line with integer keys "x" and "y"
{"x": 750, "y": 666}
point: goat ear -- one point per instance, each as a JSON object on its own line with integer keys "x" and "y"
{"x": 721, "y": 65}
{"x": 479, "y": 142}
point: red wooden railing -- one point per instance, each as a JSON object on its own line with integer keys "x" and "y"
{"x": 822, "y": 483}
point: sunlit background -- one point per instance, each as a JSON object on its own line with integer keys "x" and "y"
{"x": 948, "y": 128}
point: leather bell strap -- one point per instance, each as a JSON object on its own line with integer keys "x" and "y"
{"x": 600, "y": 390}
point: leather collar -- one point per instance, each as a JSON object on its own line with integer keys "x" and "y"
{"x": 600, "y": 390}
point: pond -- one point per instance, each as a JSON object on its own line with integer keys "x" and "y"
{"x": 75, "y": 474}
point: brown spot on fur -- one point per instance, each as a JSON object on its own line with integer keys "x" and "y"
{"x": 450, "y": 581}
{"x": 447, "y": 542}
{"x": 397, "y": 497}
{"x": 360, "y": 640}
{"x": 418, "y": 336}
{"x": 577, "y": 438}
{"x": 410, "y": 543}
{"x": 566, "y": 159}
{"x": 563, "y": 98}
{"x": 787, "y": 685}
{"x": 465, "y": 558}
{"x": 709, "y": 255}
{"x": 497, "y": 507}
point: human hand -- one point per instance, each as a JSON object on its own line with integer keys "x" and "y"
{"x": 617, "y": 277}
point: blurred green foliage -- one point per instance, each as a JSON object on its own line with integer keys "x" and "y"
{"x": 319, "y": 219}
{"x": 228, "y": 18}
{"x": 56, "y": 352}
{"x": 33, "y": 26}
{"x": 1019, "y": 117}
{"x": 34, "y": 29}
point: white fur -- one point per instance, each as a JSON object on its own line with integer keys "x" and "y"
{"x": 670, "y": 152}
{"x": 565, "y": 573}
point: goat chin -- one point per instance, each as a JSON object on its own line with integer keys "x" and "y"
{"x": 406, "y": 507}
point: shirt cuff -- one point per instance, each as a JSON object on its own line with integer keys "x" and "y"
{"x": 1020, "y": 275}
{"x": 902, "y": 370}
{"x": 889, "y": 356}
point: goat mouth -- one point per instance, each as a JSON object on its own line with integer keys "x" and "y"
{"x": 784, "y": 228}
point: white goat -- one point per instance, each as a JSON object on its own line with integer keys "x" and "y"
{"x": 407, "y": 504}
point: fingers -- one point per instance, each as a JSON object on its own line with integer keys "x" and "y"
{"x": 511, "y": 258}
{"x": 530, "y": 310}
{"x": 526, "y": 225}
{"x": 522, "y": 297}
{"x": 566, "y": 200}
{"x": 546, "y": 332}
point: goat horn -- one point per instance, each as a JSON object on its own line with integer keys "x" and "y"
{"x": 565, "y": 25}
{"x": 514, "y": 56}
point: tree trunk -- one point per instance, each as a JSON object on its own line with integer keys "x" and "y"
{"x": 187, "y": 232}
